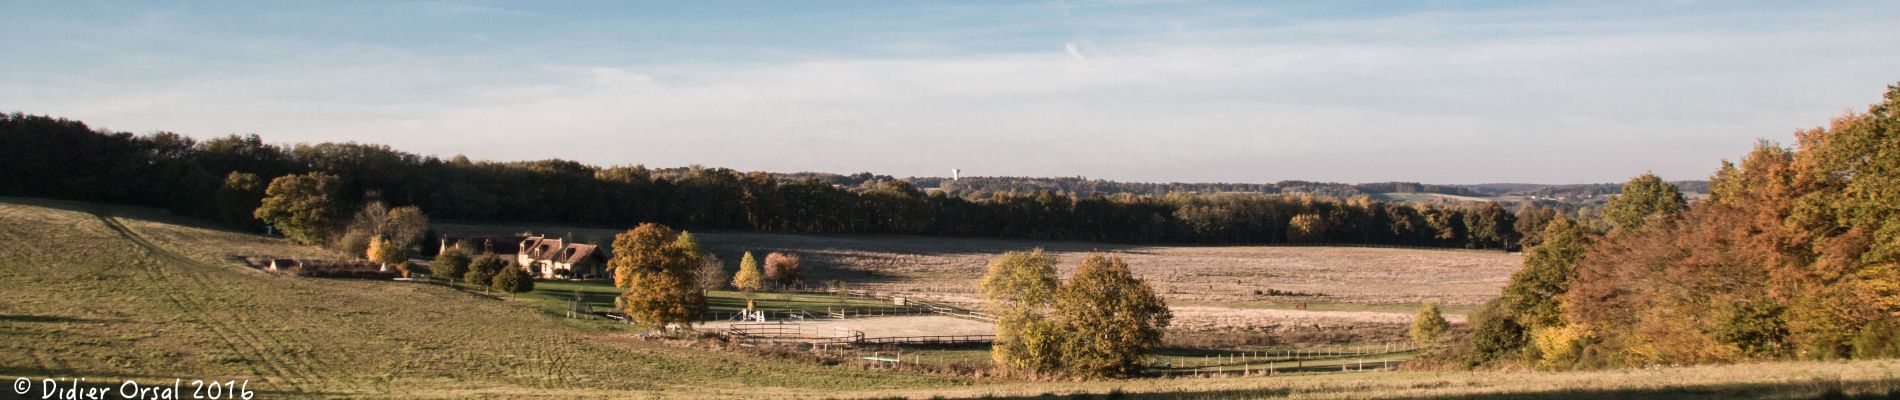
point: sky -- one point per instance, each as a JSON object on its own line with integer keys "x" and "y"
{"x": 1154, "y": 90}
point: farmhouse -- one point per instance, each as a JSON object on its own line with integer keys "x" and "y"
{"x": 541, "y": 256}
{"x": 555, "y": 258}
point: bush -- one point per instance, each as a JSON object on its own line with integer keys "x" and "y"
{"x": 1878, "y": 339}
{"x": 1559, "y": 347}
{"x": 512, "y": 280}
{"x": 783, "y": 268}
{"x": 1429, "y": 326}
{"x": 352, "y": 242}
{"x": 1756, "y": 328}
{"x": 450, "y": 264}
{"x": 481, "y": 271}
{"x": 1495, "y": 334}
{"x": 404, "y": 268}
{"x": 383, "y": 251}
{"x": 476, "y": 277}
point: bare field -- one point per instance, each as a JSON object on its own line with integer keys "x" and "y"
{"x": 1369, "y": 291}
{"x": 950, "y": 267}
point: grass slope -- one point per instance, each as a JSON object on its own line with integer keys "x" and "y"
{"x": 114, "y": 293}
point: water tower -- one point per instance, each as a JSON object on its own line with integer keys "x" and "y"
{"x": 955, "y": 174}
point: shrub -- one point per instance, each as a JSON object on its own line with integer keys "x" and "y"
{"x": 512, "y": 280}
{"x": 383, "y": 251}
{"x": 1495, "y": 334}
{"x": 476, "y": 277}
{"x": 450, "y": 264}
{"x": 1559, "y": 347}
{"x": 783, "y": 268}
{"x": 481, "y": 271}
{"x": 1755, "y": 328}
{"x": 353, "y": 242}
{"x": 1878, "y": 339}
{"x": 1429, "y": 326}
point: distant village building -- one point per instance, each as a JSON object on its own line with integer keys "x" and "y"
{"x": 541, "y": 256}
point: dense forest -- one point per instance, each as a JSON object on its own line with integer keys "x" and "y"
{"x": 1795, "y": 254}
{"x": 223, "y": 178}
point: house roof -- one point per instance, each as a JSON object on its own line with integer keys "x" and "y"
{"x": 578, "y": 252}
{"x": 542, "y": 248}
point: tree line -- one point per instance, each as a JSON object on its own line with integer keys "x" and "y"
{"x": 225, "y": 179}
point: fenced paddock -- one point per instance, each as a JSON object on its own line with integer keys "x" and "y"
{"x": 937, "y": 340}
{"x": 916, "y": 329}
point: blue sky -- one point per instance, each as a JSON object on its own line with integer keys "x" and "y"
{"x": 1445, "y": 92}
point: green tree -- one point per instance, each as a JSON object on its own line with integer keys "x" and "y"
{"x": 450, "y": 264}
{"x": 1019, "y": 289}
{"x": 512, "y": 280}
{"x": 1429, "y": 326}
{"x": 304, "y": 207}
{"x": 1643, "y": 197}
{"x": 1530, "y": 225}
{"x": 748, "y": 279}
{"x": 482, "y": 270}
{"x": 1534, "y": 293}
{"x": 656, "y": 267}
{"x": 1491, "y": 226}
{"x": 1109, "y": 318}
{"x": 239, "y": 198}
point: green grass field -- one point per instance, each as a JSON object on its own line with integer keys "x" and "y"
{"x": 114, "y": 293}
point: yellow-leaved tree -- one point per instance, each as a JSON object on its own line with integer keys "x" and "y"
{"x": 1019, "y": 290}
{"x": 655, "y": 266}
{"x": 1101, "y": 322}
{"x": 1109, "y": 318}
{"x": 748, "y": 279}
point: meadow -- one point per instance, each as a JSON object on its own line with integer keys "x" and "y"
{"x": 112, "y": 293}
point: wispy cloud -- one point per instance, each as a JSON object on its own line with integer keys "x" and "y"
{"x": 1545, "y": 94}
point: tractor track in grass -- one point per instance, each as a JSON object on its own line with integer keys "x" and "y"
{"x": 241, "y": 339}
